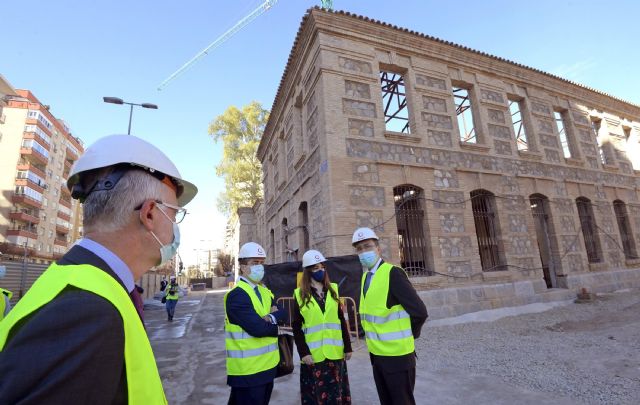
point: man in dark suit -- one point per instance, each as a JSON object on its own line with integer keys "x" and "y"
{"x": 390, "y": 325}
{"x": 65, "y": 342}
{"x": 251, "y": 331}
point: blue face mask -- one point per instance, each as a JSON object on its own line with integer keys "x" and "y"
{"x": 168, "y": 251}
{"x": 318, "y": 275}
{"x": 257, "y": 273}
{"x": 368, "y": 259}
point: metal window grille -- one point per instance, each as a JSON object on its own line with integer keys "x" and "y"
{"x": 628, "y": 244}
{"x": 546, "y": 245}
{"x": 465, "y": 115}
{"x": 518, "y": 125}
{"x": 412, "y": 243}
{"x": 587, "y": 223}
{"x": 394, "y": 102}
{"x": 489, "y": 245}
{"x": 562, "y": 134}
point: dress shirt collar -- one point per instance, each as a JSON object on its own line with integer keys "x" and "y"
{"x": 375, "y": 267}
{"x": 111, "y": 259}
{"x": 246, "y": 280}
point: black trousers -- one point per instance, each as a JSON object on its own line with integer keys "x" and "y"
{"x": 258, "y": 395}
{"x": 395, "y": 388}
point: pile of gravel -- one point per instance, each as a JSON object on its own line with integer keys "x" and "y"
{"x": 588, "y": 352}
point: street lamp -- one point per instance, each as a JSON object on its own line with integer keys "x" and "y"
{"x": 117, "y": 100}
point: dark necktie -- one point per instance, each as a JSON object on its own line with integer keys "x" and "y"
{"x": 257, "y": 293}
{"x": 137, "y": 302}
{"x": 367, "y": 281}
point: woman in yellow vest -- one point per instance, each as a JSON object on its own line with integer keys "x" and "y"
{"x": 321, "y": 335}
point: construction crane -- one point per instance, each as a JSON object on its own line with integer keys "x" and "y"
{"x": 326, "y": 4}
{"x": 239, "y": 25}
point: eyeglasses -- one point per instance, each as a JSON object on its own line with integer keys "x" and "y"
{"x": 181, "y": 213}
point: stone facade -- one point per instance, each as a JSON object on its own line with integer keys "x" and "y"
{"x": 347, "y": 165}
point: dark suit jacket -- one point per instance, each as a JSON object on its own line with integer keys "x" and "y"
{"x": 70, "y": 351}
{"x": 401, "y": 292}
{"x": 240, "y": 312}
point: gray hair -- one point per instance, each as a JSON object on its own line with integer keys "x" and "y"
{"x": 111, "y": 210}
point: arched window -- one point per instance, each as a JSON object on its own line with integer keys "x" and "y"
{"x": 547, "y": 245}
{"x": 588, "y": 225}
{"x": 303, "y": 220}
{"x": 272, "y": 245}
{"x": 412, "y": 243}
{"x": 483, "y": 204}
{"x": 628, "y": 243}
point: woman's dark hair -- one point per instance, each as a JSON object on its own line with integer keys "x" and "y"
{"x": 305, "y": 285}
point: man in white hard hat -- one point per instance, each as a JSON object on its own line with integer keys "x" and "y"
{"x": 392, "y": 316}
{"x": 251, "y": 331}
{"x": 76, "y": 337}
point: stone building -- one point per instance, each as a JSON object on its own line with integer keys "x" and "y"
{"x": 473, "y": 170}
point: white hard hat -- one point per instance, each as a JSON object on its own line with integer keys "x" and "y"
{"x": 251, "y": 249}
{"x": 312, "y": 257}
{"x": 362, "y": 234}
{"x": 126, "y": 149}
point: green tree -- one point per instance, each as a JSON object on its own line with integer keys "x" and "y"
{"x": 240, "y": 132}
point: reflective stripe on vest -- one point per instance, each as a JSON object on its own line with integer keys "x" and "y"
{"x": 143, "y": 381}
{"x": 247, "y": 354}
{"x": 387, "y": 330}
{"x": 322, "y": 330}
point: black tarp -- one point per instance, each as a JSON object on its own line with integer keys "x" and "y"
{"x": 346, "y": 271}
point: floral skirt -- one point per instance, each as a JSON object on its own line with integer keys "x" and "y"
{"x": 325, "y": 383}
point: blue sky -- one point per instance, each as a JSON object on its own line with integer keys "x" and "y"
{"x": 71, "y": 53}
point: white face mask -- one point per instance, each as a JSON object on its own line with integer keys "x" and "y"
{"x": 168, "y": 251}
{"x": 256, "y": 273}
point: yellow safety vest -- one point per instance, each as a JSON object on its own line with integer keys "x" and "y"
{"x": 322, "y": 331}
{"x": 248, "y": 354}
{"x": 387, "y": 330}
{"x": 3, "y": 302}
{"x": 143, "y": 381}
{"x": 172, "y": 292}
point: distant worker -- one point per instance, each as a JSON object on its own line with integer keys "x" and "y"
{"x": 251, "y": 331}
{"x": 392, "y": 316}
{"x": 172, "y": 294}
{"x": 321, "y": 335}
{"x": 163, "y": 283}
{"x": 76, "y": 337}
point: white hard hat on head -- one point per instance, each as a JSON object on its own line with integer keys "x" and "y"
{"x": 312, "y": 257}
{"x": 130, "y": 152}
{"x": 363, "y": 234}
{"x": 251, "y": 249}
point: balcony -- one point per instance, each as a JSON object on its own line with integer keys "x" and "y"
{"x": 32, "y": 185}
{"x": 28, "y": 166}
{"x": 28, "y": 201}
{"x": 27, "y": 233}
{"x": 64, "y": 216}
{"x": 24, "y": 217}
{"x": 64, "y": 190}
{"x": 71, "y": 155}
{"x": 65, "y": 201}
{"x": 67, "y": 164}
{"x": 33, "y": 156}
{"x": 61, "y": 229}
{"x": 38, "y": 138}
{"x": 60, "y": 242}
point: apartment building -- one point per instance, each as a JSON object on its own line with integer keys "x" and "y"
{"x": 472, "y": 169}
{"x": 38, "y": 218}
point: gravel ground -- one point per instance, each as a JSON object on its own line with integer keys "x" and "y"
{"x": 587, "y": 352}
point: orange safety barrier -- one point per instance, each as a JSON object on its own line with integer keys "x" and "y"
{"x": 348, "y": 306}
